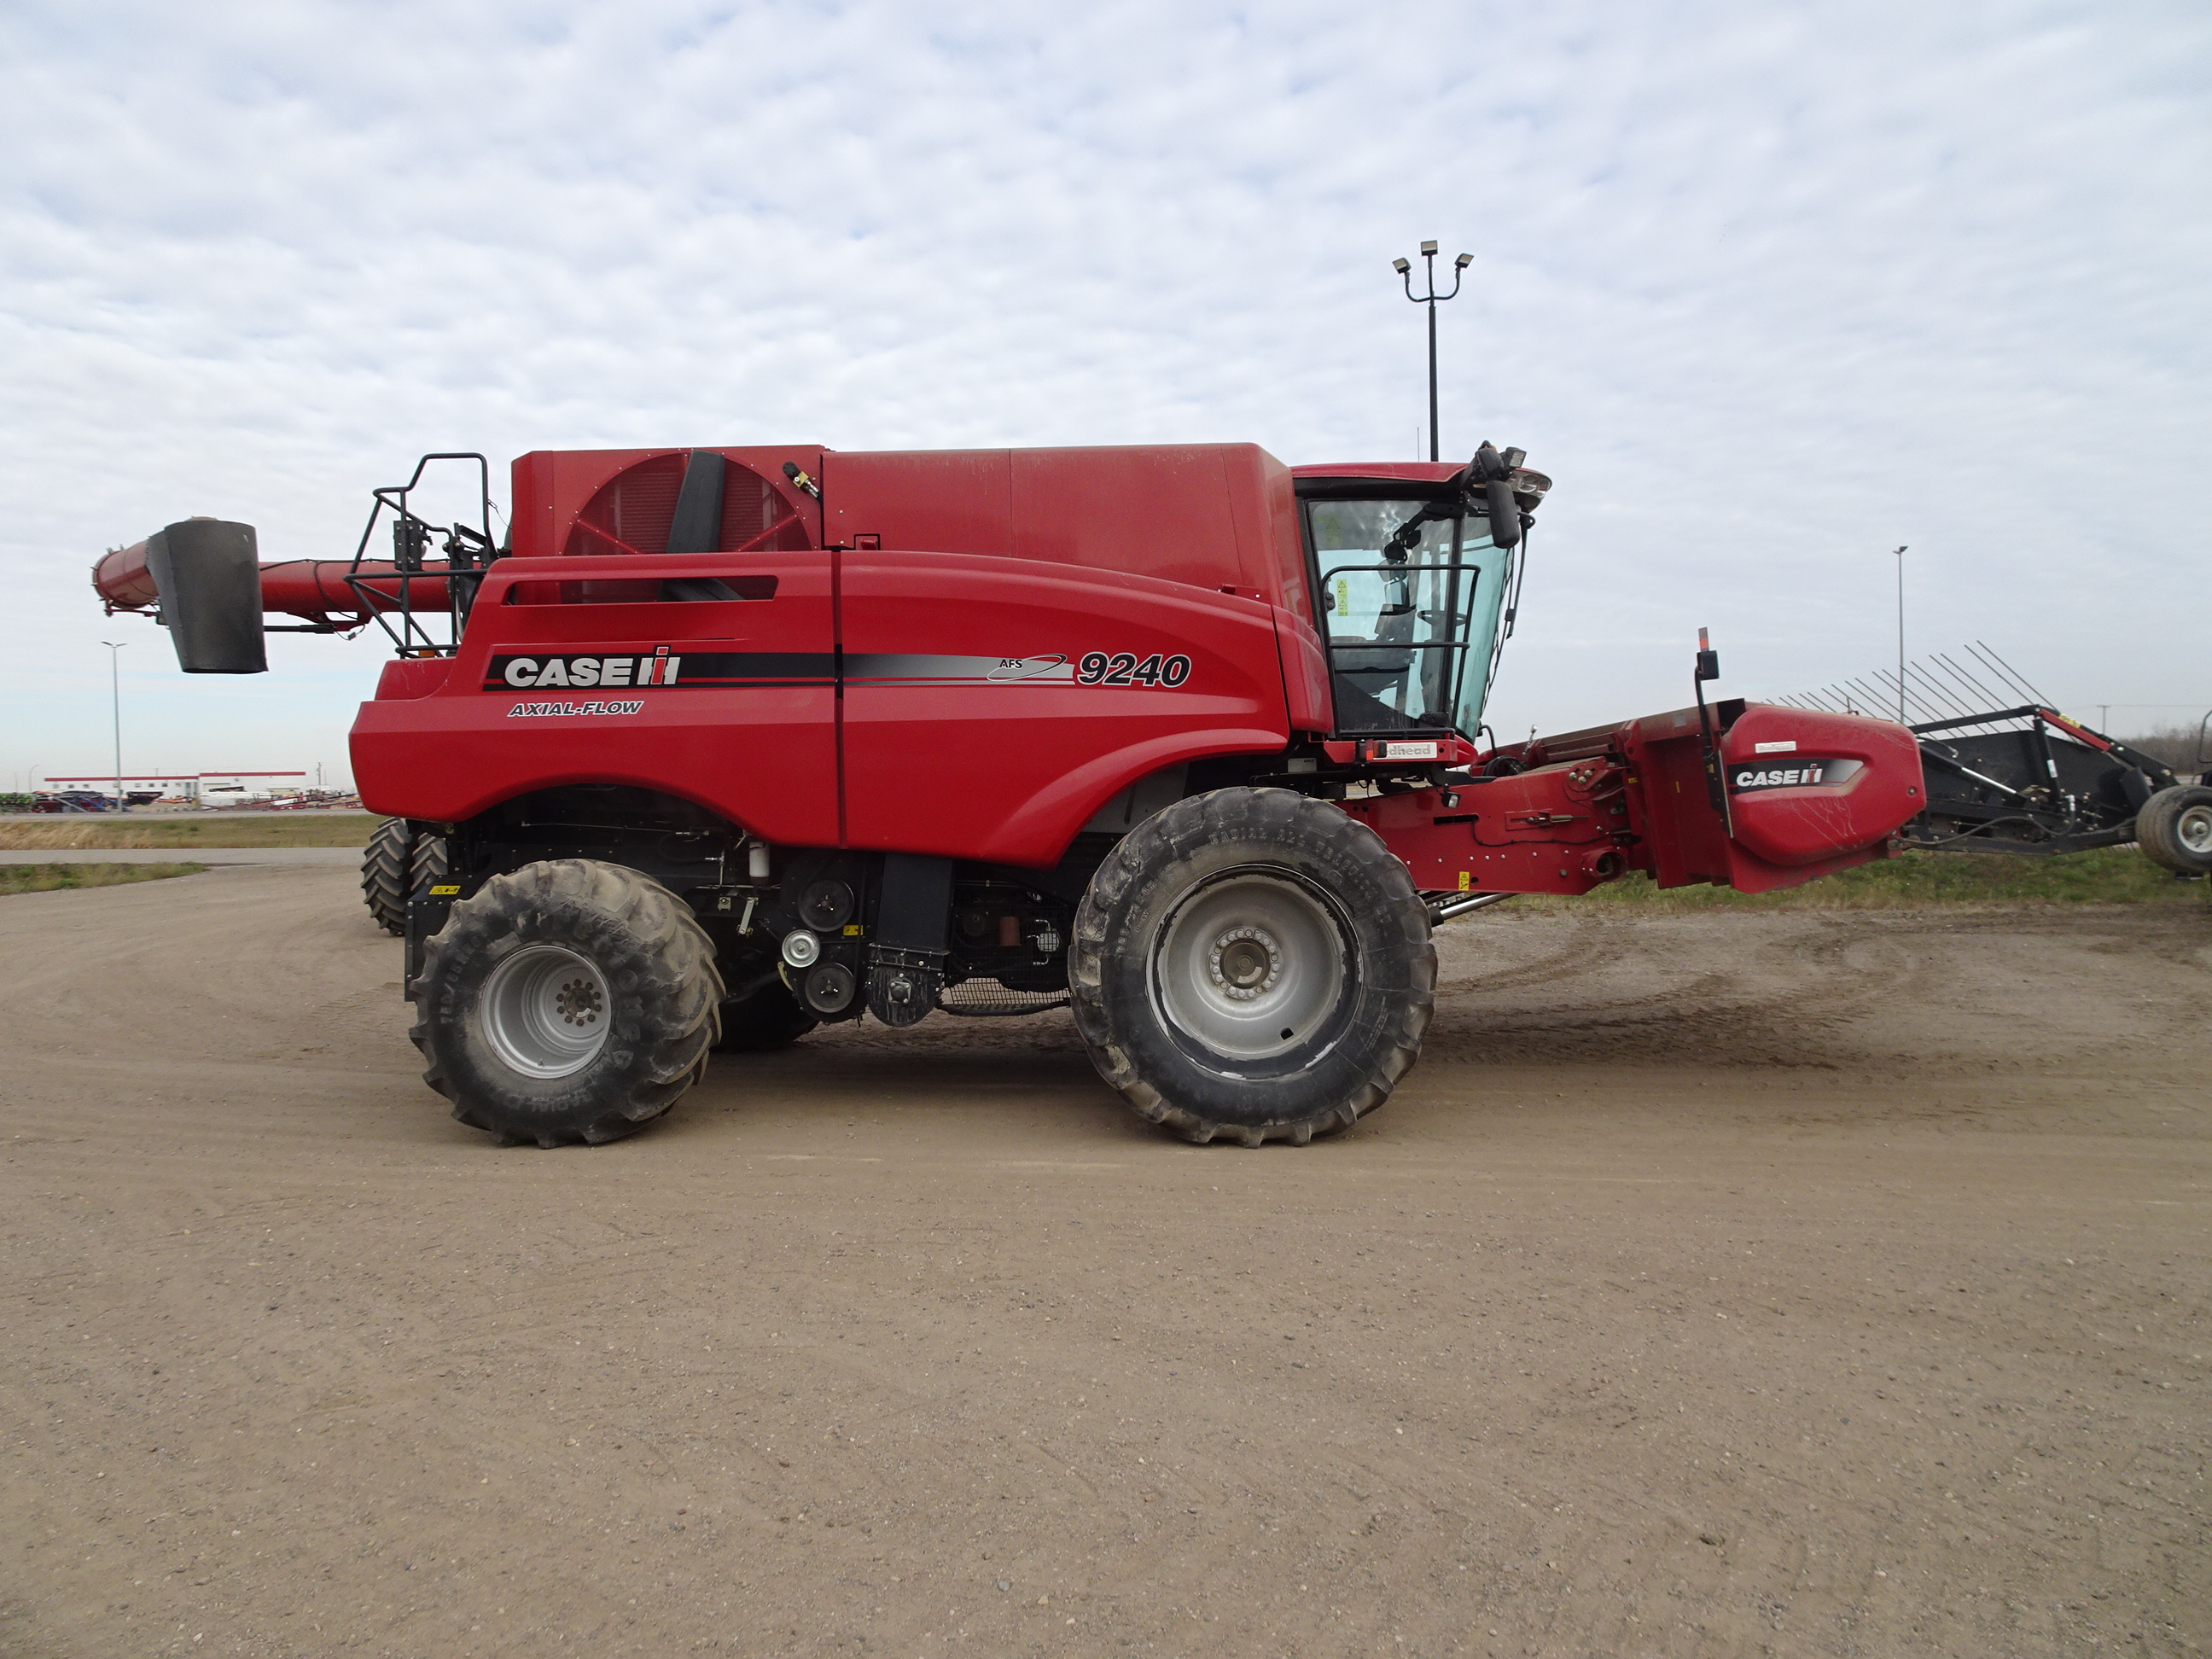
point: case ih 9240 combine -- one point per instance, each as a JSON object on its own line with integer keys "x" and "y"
{"x": 730, "y": 742}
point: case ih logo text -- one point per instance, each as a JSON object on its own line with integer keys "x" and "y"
{"x": 1798, "y": 774}
{"x": 657, "y": 669}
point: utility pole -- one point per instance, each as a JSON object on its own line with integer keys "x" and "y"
{"x": 115, "y": 690}
{"x": 1901, "y": 720}
{"x": 1432, "y": 299}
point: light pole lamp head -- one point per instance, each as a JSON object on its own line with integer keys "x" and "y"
{"x": 1429, "y": 250}
{"x": 1463, "y": 262}
{"x": 1401, "y": 266}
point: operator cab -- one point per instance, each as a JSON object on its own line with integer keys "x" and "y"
{"x": 1410, "y": 594}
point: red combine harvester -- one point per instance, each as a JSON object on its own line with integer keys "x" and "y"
{"x": 730, "y": 742}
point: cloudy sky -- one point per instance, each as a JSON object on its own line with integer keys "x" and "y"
{"x": 1768, "y": 290}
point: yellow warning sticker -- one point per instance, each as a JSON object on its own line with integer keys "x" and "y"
{"x": 443, "y": 892}
{"x": 1466, "y": 881}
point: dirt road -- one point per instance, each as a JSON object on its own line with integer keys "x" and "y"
{"x": 1803, "y": 1284}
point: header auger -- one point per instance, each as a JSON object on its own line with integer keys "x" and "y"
{"x": 725, "y": 743}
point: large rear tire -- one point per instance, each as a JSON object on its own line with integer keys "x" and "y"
{"x": 568, "y": 1001}
{"x": 1252, "y": 965}
{"x": 2174, "y": 829}
{"x": 386, "y": 870}
{"x": 427, "y": 866}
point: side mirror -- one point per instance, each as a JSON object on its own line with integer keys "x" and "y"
{"x": 1489, "y": 475}
{"x": 206, "y": 572}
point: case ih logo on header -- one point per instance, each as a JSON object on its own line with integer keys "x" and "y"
{"x": 1797, "y": 775}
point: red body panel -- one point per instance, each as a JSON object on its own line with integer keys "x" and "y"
{"x": 967, "y": 731}
{"x": 1793, "y": 823}
{"x": 760, "y": 749}
{"x": 915, "y": 665}
{"x": 1218, "y": 516}
{"x": 1188, "y": 552}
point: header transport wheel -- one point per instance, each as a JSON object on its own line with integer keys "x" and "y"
{"x": 1253, "y": 964}
{"x": 2174, "y": 829}
{"x": 568, "y": 1001}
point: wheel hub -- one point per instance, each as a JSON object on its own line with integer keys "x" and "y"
{"x": 1245, "y": 962}
{"x": 545, "y": 1011}
{"x": 1250, "y": 965}
{"x": 2194, "y": 829}
{"x": 579, "y": 1002}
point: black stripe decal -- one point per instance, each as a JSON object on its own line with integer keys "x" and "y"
{"x": 673, "y": 669}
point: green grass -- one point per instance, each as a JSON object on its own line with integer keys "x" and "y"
{"x": 52, "y": 878}
{"x": 2111, "y": 875}
{"x": 182, "y": 831}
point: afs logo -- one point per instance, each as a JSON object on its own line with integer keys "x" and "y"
{"x": 1025, "y": 668}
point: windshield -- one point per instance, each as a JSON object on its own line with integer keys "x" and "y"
{"x": 1411, "y": 628}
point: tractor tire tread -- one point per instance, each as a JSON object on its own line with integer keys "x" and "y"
{"x": 1176, "y": 834}
{"x": 387, "y": 863}
{"x": 662, "y": 957}
{"x": 428, "y": 867}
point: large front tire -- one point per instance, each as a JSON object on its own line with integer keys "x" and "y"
{"x": 568, "y": 1000}
{"x": 1255, "y": 964}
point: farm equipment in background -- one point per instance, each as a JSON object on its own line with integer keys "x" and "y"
{"x": 2026, "y": 779}
{"x": 725, "y": 743}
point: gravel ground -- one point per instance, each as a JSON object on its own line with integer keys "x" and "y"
{"x": 1812, "y": 1283}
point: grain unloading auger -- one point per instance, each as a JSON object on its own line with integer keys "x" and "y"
{"x": 731, "y": 742}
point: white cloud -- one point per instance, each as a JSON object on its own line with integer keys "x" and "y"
{"x": 1768, "y": 290}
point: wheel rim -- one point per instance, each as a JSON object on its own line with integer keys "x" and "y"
{"x": 1251, "y": 965}
{"x": 545, "y": 1010}
{"x": 2194, "y": 830}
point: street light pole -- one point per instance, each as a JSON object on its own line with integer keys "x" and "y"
{"x": 1901, "y": 720}
{"x": 1432, "y": 299}
{"x": 115, "y": 692}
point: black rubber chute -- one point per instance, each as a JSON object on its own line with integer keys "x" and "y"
{"x": 697, "y": 526}
{"x": 208, "y": 574}
{"x": 917, "y": 903}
